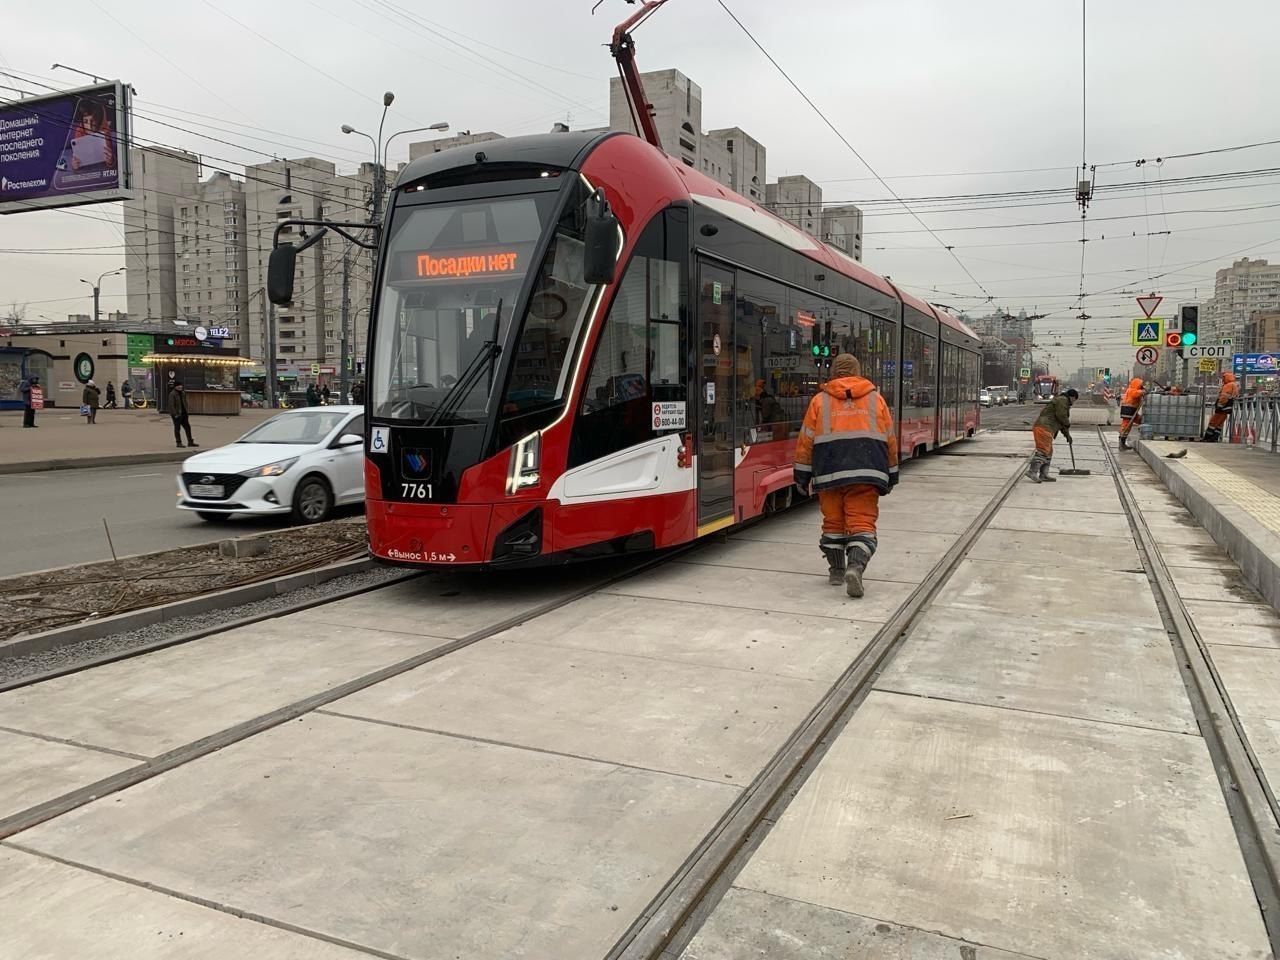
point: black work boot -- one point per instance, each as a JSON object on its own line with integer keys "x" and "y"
{"x": 1044, "y": 473}
{"x": 855, "y": 565}
{"x": 835, "y": 555}
{"x": 1124, "y": 441}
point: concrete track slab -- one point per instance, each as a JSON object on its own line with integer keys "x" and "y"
{"x": 1252, "y": 678}
{"x": 801, "y": 593}
{"x": 52, "y": 911}
{"x": 925, "y": 518}
{"x": 374, "y": 835}
{"x": 784, "y": 644}
{"x": 678, "y": 718}
{"x": 1225, "y": 584}
{"x": 750, "y": 924}
{"x": 1054, "y": 593}
{"x": 33, "y": 770}
{"x": 1236, "y": 624}
{"x": 1194, "y": 555}
{"x": 1126, "y": 674}
{"x": 1023, "y": 546}
{"x": 1264, "y": 738}
{"x": 1173, "y": 533}
{"x": 906, "y": 558}
{"x": 1095, "y": 494}
{"x": 151, "y": 704}
{"x": 1052, "y": 837}
{"x": 1081, "y": 522}
{"x": 448, "y": 607}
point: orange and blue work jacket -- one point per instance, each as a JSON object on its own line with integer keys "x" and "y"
{"x": 1227, "y": 395}
{"x": 847, "y": 437}
{"x": 1132, "y": 398}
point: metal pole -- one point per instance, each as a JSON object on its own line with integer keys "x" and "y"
{"x": 344, "y": 375}
{"x": 95, "y": 304}
{"x": 268, "y": 358}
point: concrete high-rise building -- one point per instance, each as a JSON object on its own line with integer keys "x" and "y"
{"x": 677, "y": 106}
{"x": 842, "y": 228}
{"x": 744, "y": 159}
{"x": 798, "y": 200}
{"x": 211, "y": 258}
{"x": 308, "y": 331}
{"x": 1245, "y": 287}
{"x": 161, "y": 177}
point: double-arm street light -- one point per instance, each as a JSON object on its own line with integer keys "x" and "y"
{"x": 380, "y": 147}
{"x": 97, "y": 286}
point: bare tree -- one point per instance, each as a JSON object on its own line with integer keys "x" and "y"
{"x": 17, "y": 313}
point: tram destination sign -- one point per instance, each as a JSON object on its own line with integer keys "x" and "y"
{"x": 65, "y": 149}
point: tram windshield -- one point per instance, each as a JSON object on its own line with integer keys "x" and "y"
{"x": 453, "y": 278}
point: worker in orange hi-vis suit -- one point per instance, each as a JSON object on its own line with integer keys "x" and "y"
{"x": 1226, "y": 400}
{"x": 848, "y": 453}
{"x": 1130, "y": 404}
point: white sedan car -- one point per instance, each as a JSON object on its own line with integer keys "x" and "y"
{"x": 303, "y": 462}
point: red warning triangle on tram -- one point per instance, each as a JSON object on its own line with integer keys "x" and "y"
{"x": 1149, "y": 304}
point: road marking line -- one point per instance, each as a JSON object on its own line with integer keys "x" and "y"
{"x": 137, "y": 476}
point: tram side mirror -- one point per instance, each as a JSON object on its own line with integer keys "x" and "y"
{"x": 601, "y": 235}
{"x": 280, "y": 274}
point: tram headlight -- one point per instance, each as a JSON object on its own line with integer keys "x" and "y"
{"x": 526, "y": 458}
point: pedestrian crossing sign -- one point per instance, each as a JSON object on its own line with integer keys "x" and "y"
{"x": 1148, "y": 332}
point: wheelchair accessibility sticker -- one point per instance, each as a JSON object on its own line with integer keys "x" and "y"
{"x": 380, "y": 440}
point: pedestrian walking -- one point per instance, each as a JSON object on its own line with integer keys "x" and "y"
{"x": 357, "y": 392}
{"x": 1055, "y": 418}
{"x": 325, "y": 394}
{"x": 111, "y": 396}
{"x": 1130, "y": 409}
{"x": 89, "y": 400}
{"x": 126, "y": 394}
{"x": 180, "y": 415}
{"x": 32, "y": 399}
{"x": 313, "y": 395}
{"x": 848, "y": 433}
{"x": 1222, "y": 407}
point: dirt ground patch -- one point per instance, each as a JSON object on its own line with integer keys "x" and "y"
{"x": 36, "y": 602}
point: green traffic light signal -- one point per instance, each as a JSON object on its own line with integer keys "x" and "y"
{"x": 1188, "y": 339}
{"x": 826, "y": 350}
{"x": 817, "y": 350}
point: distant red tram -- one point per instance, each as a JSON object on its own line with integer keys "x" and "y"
{"x": 580, "y": 346}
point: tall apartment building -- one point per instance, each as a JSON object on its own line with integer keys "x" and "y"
{"x": 842, "y": 228}
{"x": 308, "y": 330}
{"x": 798, "y": 200}
{"x": 1239, "y": 290}
{"x": 1261, "y": 333}
{"x": 744, "y": 158}
{"x": 160, "y": 177}
{"x": 211, "y": 258}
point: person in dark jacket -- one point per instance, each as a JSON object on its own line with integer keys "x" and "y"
{"x": 313, "y": 395}
{"x": 90, "y": 398}
{"x": 28, "y": 410}
{"x": 111, "y": 396}
{"x": 1055, "y": 418}
{"x": 126, "y": 394}
{"x": 357, "y": 392}
{"x": 179, "y": 414}
{"x": 325, "y": 394}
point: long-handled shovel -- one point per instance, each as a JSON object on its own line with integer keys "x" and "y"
{"x": 1074, "y": 471}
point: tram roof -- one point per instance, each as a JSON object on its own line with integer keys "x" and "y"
{"x": 562, "y": 150}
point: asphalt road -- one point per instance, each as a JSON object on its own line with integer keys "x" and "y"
{"x": 54, "y": 518}
{"x": 1010, "y": 415}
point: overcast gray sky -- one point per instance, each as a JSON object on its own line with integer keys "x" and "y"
{"x": 941, "y": 98}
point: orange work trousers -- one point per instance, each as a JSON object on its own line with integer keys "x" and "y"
{"x": 851, "y": 509}
{"x": 1044, "y": 442}
{"x": 1217, "y": 420}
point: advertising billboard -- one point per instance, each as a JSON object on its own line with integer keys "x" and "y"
{"x": 64, "y": 149}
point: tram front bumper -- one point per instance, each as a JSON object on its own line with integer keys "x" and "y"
{"x": 443, "y": 534}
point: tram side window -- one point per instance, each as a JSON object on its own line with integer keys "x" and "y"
{"x": 640, "y": 354}
{"x": 919, "y": 374}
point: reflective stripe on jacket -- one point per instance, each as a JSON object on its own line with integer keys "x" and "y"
{"x": 1227, "y": 395}
{"x": 848, "y": 437}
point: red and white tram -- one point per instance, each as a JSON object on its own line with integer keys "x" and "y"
{"x": 519, "y": 412}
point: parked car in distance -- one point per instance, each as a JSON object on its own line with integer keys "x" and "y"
{"x": 300, "y": 462}
{"x": 984, "y": 397}
{"x": 248, "y": 399}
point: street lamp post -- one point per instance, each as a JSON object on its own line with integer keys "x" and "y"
{"x": 97, "y": 288}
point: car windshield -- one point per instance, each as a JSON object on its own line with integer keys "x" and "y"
{"x": 302, "y": 426}
{"x": 449, "y": 267}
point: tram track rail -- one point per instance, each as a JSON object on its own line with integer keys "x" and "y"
{"x": 675, "y": 914}
{"x": 1248, "y": 797}
{"x": 179, "y": 756}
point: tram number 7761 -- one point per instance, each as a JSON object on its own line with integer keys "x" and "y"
{"x": 416, "y": 491}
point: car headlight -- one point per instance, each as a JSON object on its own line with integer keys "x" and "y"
{"x": 271, "y": 469}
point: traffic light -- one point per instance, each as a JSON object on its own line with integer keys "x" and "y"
{"x": 1190, "y": 325}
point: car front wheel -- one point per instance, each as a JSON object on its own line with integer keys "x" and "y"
{"x": 312, "y": 500}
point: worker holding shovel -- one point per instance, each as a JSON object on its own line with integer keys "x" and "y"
{"x": 1054, "y": 419}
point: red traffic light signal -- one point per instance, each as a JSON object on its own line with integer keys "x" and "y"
{"x": 1173, "y": 340}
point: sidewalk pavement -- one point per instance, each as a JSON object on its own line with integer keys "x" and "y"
{"x": 63, "y": 440}
{"x": 1234, "y": 492}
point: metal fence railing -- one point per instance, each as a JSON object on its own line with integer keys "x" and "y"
{"x": 1255, "y": 421}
